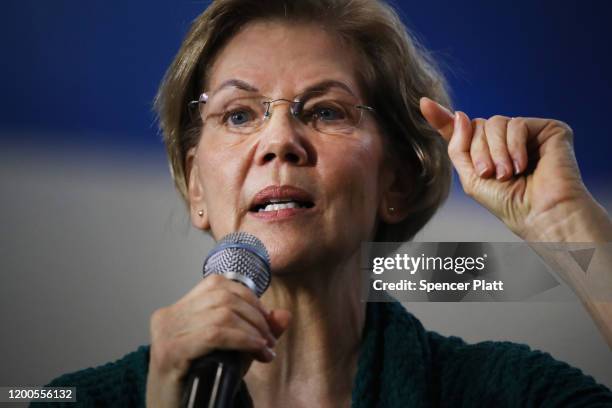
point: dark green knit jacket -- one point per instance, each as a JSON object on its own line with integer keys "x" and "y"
{"x": 400, "y": 365}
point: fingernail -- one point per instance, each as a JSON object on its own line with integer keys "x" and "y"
{"x": 501, "y": 171}
{"x": 481, "y": 168}
{"x": 271, "y": 352}
{"x": 271, "y": 340}
{"x": 517, "y": 168}
{"x": 261, "y": 341}
{"x": 445, "y": 108}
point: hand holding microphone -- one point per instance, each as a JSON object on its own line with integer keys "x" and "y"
{"x": 217, "y": 314}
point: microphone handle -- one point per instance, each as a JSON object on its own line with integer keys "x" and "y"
{"x": 212, "y": 380}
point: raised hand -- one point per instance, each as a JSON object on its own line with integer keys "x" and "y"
{"x": 524, "y": 171}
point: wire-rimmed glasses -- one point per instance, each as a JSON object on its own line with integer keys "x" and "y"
{"x": 243, "y": 112}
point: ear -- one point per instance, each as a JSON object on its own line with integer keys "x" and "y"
{"x": 397, "y": 183}
{"x": 197, "y": 203}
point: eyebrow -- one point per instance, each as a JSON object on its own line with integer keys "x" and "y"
{"x": 317, "y": 87}
{"x": 327, "y": 84}
{"x": 236, "y": 83}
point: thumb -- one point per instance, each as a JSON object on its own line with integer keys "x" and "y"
{"x": 439, "y": 117}
{"x": 279, "y": 320}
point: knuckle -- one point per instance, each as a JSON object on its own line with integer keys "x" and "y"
{"x": 249, "y": 296}
{"x": 561, "y": 124}
{"x": 215, "y": 280}
{"x": 497, "y": 119}
{"x": 478, "y": 121}
{"x": 518, "y": 121}
{"x": 226, "y": 297}
{"x": 565, "y": 128}
{"x": 242, "y": 291}
{"x": 214, "y": 335}
{"x": 226, "y": 315}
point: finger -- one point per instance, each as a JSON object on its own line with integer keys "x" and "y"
{"x": 517, "y": 134}
{"x": 222, "y": 316}
{"x": 247, "y": 294}
{"x": 535, "y": 128}
{"x": 438, "y": 117}
{"x": 218, "y": 338}
{"x": 459, "y": 148}
{"x": 279, "y": 321}
{"x": 479, "y": 151}
{"x": 232, "y": 338}
{"x": 222, "y": 300}
{"x": 495, "y": 131}
{"x": 213, "y": 282}
{"x": 540, "y": 130}
{"x": 265, "y": 355}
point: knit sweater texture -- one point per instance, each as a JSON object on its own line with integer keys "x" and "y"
{"x": 400, "y": 365}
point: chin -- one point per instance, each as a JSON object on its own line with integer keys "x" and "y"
{"x": 292, "y": 254}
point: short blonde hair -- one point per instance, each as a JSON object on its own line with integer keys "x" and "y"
{"x": 395, "y": 72}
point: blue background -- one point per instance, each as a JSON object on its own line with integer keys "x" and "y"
{"x": 85, "y": 72}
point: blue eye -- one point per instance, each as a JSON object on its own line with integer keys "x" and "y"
{"x": 238, "y": 117}
{"x": 328, "y": 114}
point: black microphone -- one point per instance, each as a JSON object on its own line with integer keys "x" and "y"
{"x": 213, "y": 380}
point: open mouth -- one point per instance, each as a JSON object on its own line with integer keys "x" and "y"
{"x": 281, "y": 204}
{"x": 281, "y": 201}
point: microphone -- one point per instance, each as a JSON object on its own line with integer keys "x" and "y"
{"x": 212, "y": 380}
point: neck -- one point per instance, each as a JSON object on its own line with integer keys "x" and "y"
{"x": 317, "y": 355}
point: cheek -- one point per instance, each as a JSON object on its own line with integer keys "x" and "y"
{"x": 355, "y": 173}
{"x": 221, "y": 181}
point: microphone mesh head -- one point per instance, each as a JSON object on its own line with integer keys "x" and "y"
{"x": 243, "y": 254}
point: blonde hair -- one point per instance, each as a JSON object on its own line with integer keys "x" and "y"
{"x": 395, "y": 72}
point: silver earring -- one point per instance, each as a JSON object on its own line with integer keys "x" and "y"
{"x": 201, "y": 213}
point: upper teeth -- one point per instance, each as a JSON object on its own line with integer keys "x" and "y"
{"x": 273, "y": 206}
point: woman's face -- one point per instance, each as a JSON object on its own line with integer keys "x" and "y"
{"x": 334, "y": 181}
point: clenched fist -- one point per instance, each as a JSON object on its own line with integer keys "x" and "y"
{"x": 217, "y": 314}
{"x": 524, "y": 171}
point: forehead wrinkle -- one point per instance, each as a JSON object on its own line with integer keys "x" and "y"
{"x": 320, "y": 86}
{"x": 291, "y": 67}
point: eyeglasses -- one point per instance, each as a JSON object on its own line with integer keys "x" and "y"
{"x": 331, "y": 112}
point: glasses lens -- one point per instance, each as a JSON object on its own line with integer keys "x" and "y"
{"x": 234, "y": 111}
{"x": 331, "y": 112}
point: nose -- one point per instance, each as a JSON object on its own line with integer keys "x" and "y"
{"x": 281, "y": 139}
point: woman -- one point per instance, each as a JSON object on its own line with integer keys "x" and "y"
{"x": 315, "y": 129}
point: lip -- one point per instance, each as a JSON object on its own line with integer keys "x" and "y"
{"x": 281, "y": 193}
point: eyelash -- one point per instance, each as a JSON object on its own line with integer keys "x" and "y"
{"x": 229, "y": 113}
{"x": 304, "y": 114}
